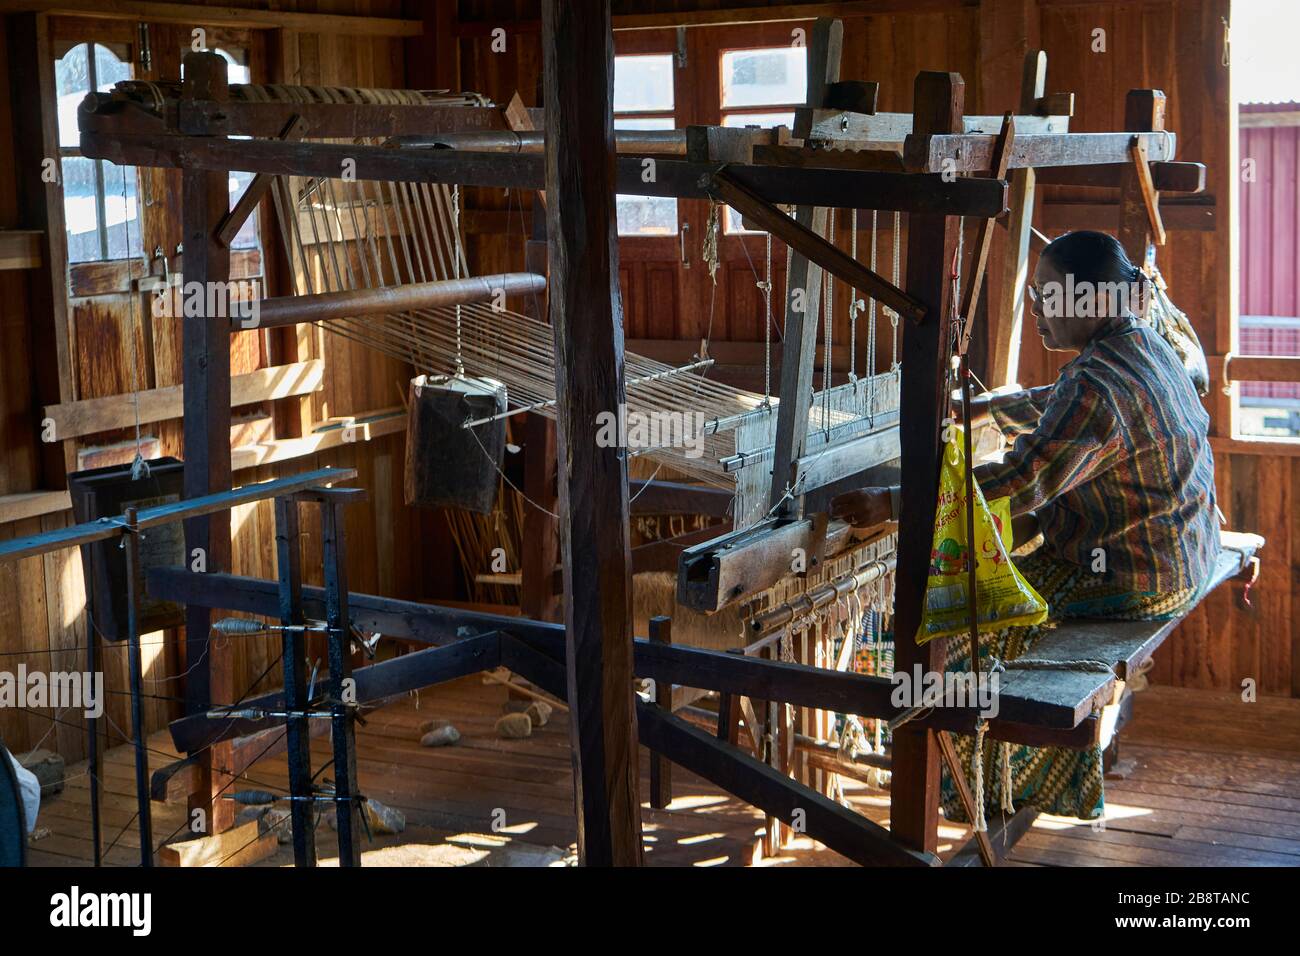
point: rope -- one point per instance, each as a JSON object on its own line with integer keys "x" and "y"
{"x": 139, "y": 466}
{"x": 1007, "y": 804}
{"x": 893, "y": 316}
{"x": 1092, "y": 666}
{"x": 709, "y": 248}
{"x": 766, "y": 287}
{"x": 979, "y": 825}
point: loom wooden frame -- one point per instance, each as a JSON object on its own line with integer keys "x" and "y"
{"x": 123, "y": 132}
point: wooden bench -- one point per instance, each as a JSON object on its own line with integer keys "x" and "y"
{"x": 1051, "y": 697}
{"x": 1044, "y": 695}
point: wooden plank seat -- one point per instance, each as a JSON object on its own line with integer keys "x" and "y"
{"x": 1044, "y": 697}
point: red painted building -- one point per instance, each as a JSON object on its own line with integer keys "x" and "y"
{"x": 1270, "y": 245}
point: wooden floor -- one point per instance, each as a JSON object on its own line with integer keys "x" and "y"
{"x": 1213, "y": 782}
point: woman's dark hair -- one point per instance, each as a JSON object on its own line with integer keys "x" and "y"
{"x": 1091, "y": 257}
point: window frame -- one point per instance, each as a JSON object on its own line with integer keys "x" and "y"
{"x": 125, "y": 54}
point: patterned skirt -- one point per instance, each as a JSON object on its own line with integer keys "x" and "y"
{"x": 1050, "y": 779}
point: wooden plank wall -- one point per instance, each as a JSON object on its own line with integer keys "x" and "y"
{"x": 42, "y": 599}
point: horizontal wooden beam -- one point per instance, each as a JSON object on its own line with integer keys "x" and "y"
{"x": 20, "y": 248}
{"x": 1020, "y": 720}
{"x": 809, "y": 157}
{"x": 101, "y": 530}
{"x": 374, "y": 682}
{"x": 192, "y": 15}
{"x": 332, "y": 433}
{"x": 32, "y": 504}
{"x": 828, "y": 464}
{"x": 730, "y": 567}
{"x": 1174, "y": 177}
{"x": 1062, "y": 215}
{"x": 331, "y": 120}
{"x": 1260, "y": 368}
{"x": 729, "y": 16}
{"x": 860, "y": 131}
{"x": 975, "y": 154}
{"x": 94, "y": 415}
{"x": 817, "y": 187}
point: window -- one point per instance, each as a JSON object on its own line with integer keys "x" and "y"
{"x": 100, "y": 205}
{"x": 772, "y": 76}
{"x": 1266, "y": 86}
{"x": 762, "y": 87}
{"x": 643, "y": 99}
{"x": 237, "y": 71}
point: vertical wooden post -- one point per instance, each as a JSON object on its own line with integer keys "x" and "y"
{"x": 288, "y": 543}
{"x": 134, "y": 597}
{"x": 342, "y": 737}
{"x": 1144, "y": 111}
{"x": 206, "y": 371}
{"x": 1009, "y": 316}
{"x": 541, "y": 542}
{"x": 939, "y": 100}
{"x": 803, "y": 288}
{"x": 661, "y": 770}
{"x": 587, "y": 317}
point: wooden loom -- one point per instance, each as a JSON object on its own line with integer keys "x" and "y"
{"x": 587, "y": 661}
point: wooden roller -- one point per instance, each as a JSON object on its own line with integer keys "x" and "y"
{"x": 294, "y": 309}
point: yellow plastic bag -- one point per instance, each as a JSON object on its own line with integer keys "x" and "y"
{"x": 1004, "y": 597}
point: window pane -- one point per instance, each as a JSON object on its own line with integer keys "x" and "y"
{"x": 643, "y": 83}
{"x": 1269, "y": 409}
{"x": 762, "y": 77}
{"x": 72, "y": 83}
{"x": 109, "y": 70}
{"x": 237, "y": 70}
{"x": 647, "y": 216}
{"x": 79, "y": 210}
{"x": 121, "y": 211}
{"x": 246, "y": 238}
{"x": 763, "y": 120}
{"x": 644, "y": 122}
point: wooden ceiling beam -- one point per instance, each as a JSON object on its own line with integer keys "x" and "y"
{"x": 193, "y": 15}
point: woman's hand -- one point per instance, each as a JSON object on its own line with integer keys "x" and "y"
{"x": 864, "y": 508}
{"x": 981, "y": 409}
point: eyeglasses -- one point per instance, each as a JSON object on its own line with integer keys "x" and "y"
{"x": 1035, "y": 296}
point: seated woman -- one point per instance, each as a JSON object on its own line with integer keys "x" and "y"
{"x": 1112, "y": 464}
